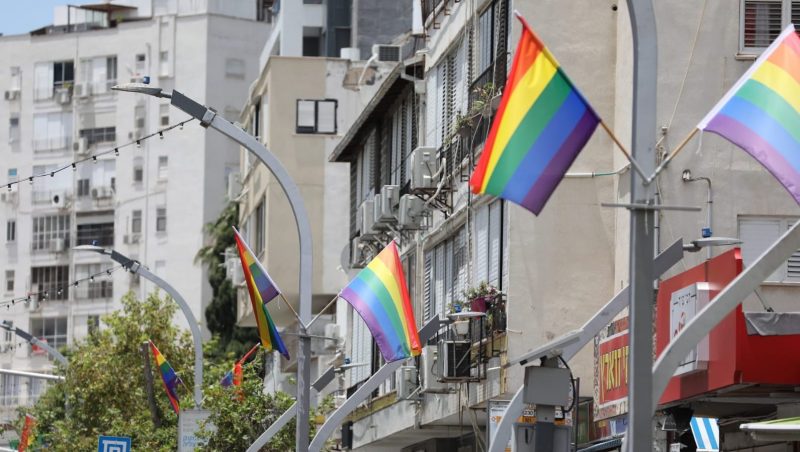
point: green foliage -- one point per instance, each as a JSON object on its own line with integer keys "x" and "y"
{"x": 105, "y": 386}
{"x": 221, "y": 312}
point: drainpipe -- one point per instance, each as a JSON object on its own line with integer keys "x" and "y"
{"x": 708, "y": 230}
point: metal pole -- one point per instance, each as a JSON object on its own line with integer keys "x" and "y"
{"x": 35, "y": 341}
{"x": 21, "y": 373}
{"x": 641, "y": 275}
{"x": 209, "y": 118}
{"x": 148, "y": 385}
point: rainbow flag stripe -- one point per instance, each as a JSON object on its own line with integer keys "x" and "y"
{"x": 168, "y": 377}
{"x": 542, "y": 124}
{"x": 761, "y": 112}
{"x": 262, "y": 290}
{"x": 380, "y": 296}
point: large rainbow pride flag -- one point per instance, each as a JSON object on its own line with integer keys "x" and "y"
{"x": 542, "y": 124}
{"x": 262, "y": 290}
{"x": 168, "y": 377}
{"x": 761, "y": 112}
{"x": 380, "y": 296}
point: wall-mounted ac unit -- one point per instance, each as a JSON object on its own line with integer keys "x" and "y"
{"x": 388, "y": 53}
{"x": 411, "y": 212}
{"x": 81, "y": 146}
{"x": 386, "y": 204}
{"x": 429, "y": 369}
{"x": 83, "y": 90}
{"x": 423, "y": 167}
{"x": 63, "y": 96}
{"x": 12, "y": 94}
{"x": 102, "y": 192}
{"x": 58, "y": 199}
{"x": 131, "y": 239}
{"x": 455, "y": 360}
{"x": 407, "y": 383}
{"x": 367, "y": 215}
{"x": 357, "y": 254}
{"x": 58, "y": 245}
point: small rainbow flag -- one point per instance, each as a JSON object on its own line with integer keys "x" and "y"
{"x": 168, "y": 377}
{"x": 262, "y": 290}
{"x": 542, "y": 124}
{"x": 761, "y": 112}
{"x": 380, "y": 296}
{"x": 234, "y": 376}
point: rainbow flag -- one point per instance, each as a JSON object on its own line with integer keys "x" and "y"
{"x": 380, "y": 296}
{"x": 761, "y": 112}
{"x": 168, "y": 377}
{"x": 262, "y": 290}
{"x": 542, "y": 124}
{"x": 27, "y": 438}
{"x": 234, "y": 376}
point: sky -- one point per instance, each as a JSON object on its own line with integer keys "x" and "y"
{"x": 22, "y": 16}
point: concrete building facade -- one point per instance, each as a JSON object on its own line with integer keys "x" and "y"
{"x": 152, "y": 200}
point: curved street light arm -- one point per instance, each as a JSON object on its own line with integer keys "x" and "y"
{"x": 31, "y": 339}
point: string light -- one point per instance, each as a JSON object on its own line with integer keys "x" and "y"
{"x": 44, "y": 294}
{"x": 93, "y": 158}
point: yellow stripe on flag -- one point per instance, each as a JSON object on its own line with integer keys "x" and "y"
{"x": 778, "y": 80}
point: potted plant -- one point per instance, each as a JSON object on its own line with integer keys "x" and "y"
{"x": 481, "y": 297}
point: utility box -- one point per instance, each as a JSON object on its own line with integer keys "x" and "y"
{"x": 546, "y": 386}
{"x": 525, "y": 438}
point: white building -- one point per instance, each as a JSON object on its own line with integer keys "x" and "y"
{"x": 151, "y": 201}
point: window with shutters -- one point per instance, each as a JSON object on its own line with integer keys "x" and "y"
{"x": 360, "y": 349}
{"x": 758, "y": 234}
{"x": 316, "y": 116}
{"x": 445, "y": 274}
{"x": 762, "y": 21}
{"x": 488, "y": 227}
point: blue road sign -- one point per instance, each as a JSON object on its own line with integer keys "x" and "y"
{"x": 114, "y": 444}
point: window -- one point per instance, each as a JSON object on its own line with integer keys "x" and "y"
{"x": 260, "y": 232}
{"x": 758, "y": 234}
{"x": 100, "y": 234}
{"x": 52, "y": 131}
{"x": 139, "y": 121}
{"x": 264, "y": 10}
{"x": 63, "y": 74}
{"x": 10, "y": 389}
{"x": 488, "y": 243}
{"x": 161, "y": 219}
{"x": 51, "y": 76}
{"x": 445, "y": 276}
{"x": 312, "y": 41}
{"x": 83, "y": 188}
{"x": 136, "y": 221}
{"x": 50, "y": 233}
{"x": 54, "y": 280}
{"x": 98, "y": 75}
{"x": 234, "y": 68}
{"x": 162, "y": 167}
{"x": 763, "y": 20}
{"x": 164, "y": 63}
{"x": 11, "y": 231}
{"x": 53, "y": 330}
{"x": 98, "y": 287}
{"x": 316, "y": 116}
{"x": 16, "y": 79}
{"x": 9, "y": 281}
{"x": 163, "y": 113}
{"x": 141, "y": 62}
{"x": 138, "y": 170}
{"x": 99, "y": 135}
{"x": 255, "y": 119}
{"x": 13, "y": 128}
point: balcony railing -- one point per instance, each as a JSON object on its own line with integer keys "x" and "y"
{"x": 94, "y": 290}
{"x": 52, "y": 144}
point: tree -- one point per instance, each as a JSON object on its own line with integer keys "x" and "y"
{"x": 104, "y": 384}
{"x": 221, "y": 312}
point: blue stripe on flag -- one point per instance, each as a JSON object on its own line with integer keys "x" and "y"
{"x": 698, "y": 436}
{"x": 710, "y": 430}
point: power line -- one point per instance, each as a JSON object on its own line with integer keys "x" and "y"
{"x": 59, "y": 290}
{"x": 93, "y": 157}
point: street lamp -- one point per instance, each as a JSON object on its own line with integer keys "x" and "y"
{"x": 135, "y": 266}
{"x": 209, "y": 118}
{"x": 31, "y": 339}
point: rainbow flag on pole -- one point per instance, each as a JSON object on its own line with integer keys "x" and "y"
{"x": 168, "y": 377}
{"x": 380, "y": 296}
{"x": 761, "y": 112}
{"x": 262, "y": 290}
{"x": 542, "y": 124}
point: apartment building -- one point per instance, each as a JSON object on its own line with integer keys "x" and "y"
{"x": 312, "y": 86}
{"x": 149, "y": 201}
{"x": 410, "y": 154}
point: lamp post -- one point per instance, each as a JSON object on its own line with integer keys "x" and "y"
{"x": 6, "y": 325}
{"x": 209, "y": 118}
{"x": 135, "y": 266}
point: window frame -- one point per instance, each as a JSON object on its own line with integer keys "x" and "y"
{"x": 783, "y": 223}
{"x": 315, "y": 129}
{"x": 786, "y": 18}
{"x": 11, "y": 230}
{"x": 161, "y": 219}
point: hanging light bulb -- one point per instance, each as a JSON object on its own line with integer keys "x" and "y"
{"x": 76, "y": 283}
{"x": 94, "y": 158}
{"x": 9, "y": 187}
{"x": 161, "y": 134}
{"x": 30, "y": 179}
{"x": 138, "y": 144}
{"x": 52, "y": 173}
{"x": 91, "y": 278}
{"x": 74, "y": 167}
{"x": 116, "y": 152}
{"x": 181, "y": 126}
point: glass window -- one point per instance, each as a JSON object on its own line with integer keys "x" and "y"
{"x": 13, "y": 128}
{"x": 50, "y": 233}
{"x": 10, "y": 281}
{"x": 138, "y": 170}
{"x": 100, "y": 234}
{"x": 99, "y": 285}
{"x": 83, "y": 188}
{"x": 234, "y": 68}
{"x": 163, "y": 161}
{"x": 163, "y": 112}
{"x": 316, "y": 116}
{"x": 99, "y": 135}
{"x": 53, "y": 280}
{"x": 136, "y": 221}
{"x": 161, "y": 219}
{"x": 758, "y": 234}
{"x": 53, "y": 330}
{"x": 763, "y": 20}
{"x": 11, "y": 231}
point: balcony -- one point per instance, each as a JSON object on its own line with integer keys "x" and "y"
{"x": 95, "y": 290}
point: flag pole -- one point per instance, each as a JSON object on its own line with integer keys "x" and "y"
{"x": 330, "y": 303}
{"x": 249, "y": 353}
{"x": 290, "y": 307}
{"x": 672, "y": 154}
{"x": 624, "y": 151}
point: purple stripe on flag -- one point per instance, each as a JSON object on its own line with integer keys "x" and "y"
{"x": 554, "y": 172}
{"x": 383, "y": 341}
{"x": 742, "y": 136}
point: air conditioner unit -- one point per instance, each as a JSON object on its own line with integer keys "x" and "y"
{"x": 234, "y": 185}
{"x": 423, "y": 167}
{"x": 58, "y": 199}
{"x": 63, "y": 96}
{"x": 411, "y": 212}
{"x": 455, "y": 360}
{"x": 357, "y": 254}
{"x": 58, "y": 245}
{"x": 367, "y": 214}
{"x": 407, "y": 383}
{"x": 81, "y": 146}
{"x": 131, "y": 239}
{"x": 388, "y": 53}
{"x": 386, "y": 204}
{"x": 429, "y": 368}
{"x": 102, "y": 192}
{"x": 12, "y": 94}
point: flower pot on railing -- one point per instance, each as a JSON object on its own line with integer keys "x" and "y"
{"x": 479, "y": 304}
{"x": 461, "y": 327}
